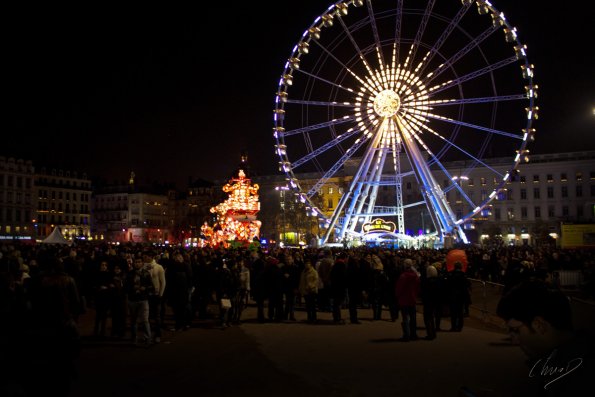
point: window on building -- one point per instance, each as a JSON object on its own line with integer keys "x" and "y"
{"x": 551, "y": 211}
{"x": 579, "y": 176}
{"x": 565, "y": 211}
{"x": 484, "y": 194}
{"x": 470, "y": 182}
{"x": 536, "y": 193}
{"x": 330, "y": 203}
{"x": 482, "y": 181}
{"x": 523, "y": 179}
{"x": 550, "y": 178}
{"x": 579, "y": 211}
{"x": 340, "y": 190}
{"x": 563, "y": 177}
{"x": 523, "y": 212}
{"x": 550, "y": 192}
{"x": 592, "y": 190}
{"x": 497, "y": 214}
{"x": 408, "y": 186}
{"x": 564, "y": 191}
{"x": 537, "y": 211}
{"x": 535, "y": 178}
{"x": 523, "y": 194}
{"x": 510, "y": 214}
{"x": 579, "y": 190}
{"x": 20, "y": 182}
{"x": 330, "y": 190}
{"x": 509, "y": 195}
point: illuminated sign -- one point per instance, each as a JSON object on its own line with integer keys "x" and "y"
{"x": 378, "y": 226}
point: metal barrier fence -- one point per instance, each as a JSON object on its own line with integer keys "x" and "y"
{"x": 569, "y": 278}
{"x": 485, "y": 296}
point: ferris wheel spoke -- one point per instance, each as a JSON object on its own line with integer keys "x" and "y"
{"x": 327, "y": 81}
{"x": 314, "y": 127}
{"x": 420, "y": 31}
{"x": 448, "y": 102}
{"x": 356, "y": 47}
{"x": 474, "y": 126}
{"x": 324, "y": 148}
{"x": 423, "y": 124}
{"x": 445, "y": 34}
{"x": 462, "y": 52}
{"x": 348, "y": 69}
{"x": 336, "y": 167}
{"x": 376, "y": 36}
{"x": 321, "y": 103}
{"x": 472, "y": 75}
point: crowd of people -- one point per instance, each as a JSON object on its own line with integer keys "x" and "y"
{"x": 45, "y": 288}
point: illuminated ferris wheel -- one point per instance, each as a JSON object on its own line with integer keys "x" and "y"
{"x": 404, "y": 100}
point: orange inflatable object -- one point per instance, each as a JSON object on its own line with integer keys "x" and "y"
{"x": 456, "y": 256}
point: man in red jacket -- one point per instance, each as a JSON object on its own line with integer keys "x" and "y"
{"x": 407, "y": 291}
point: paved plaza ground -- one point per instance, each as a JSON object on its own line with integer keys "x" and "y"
{"x": 300, "y": 359}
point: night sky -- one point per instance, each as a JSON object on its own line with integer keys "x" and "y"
{"x": 172, "y": 93}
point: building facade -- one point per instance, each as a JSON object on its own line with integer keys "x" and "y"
{"x": 17, "y": 199}
{"x": 548, "y": 191}
{"x": 63, "y": 201}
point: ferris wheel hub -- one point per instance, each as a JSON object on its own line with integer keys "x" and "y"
{"x": 387, "y": 103}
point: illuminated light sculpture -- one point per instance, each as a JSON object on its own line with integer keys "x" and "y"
{"x": 236, "y": 216}
{"x": 396, "y": 95}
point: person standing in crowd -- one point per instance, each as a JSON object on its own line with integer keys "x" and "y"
{"x": 338, "y": 286}
{"x": 539, "y": 319}
{"x": 225, "y": 290}
{"x": 407, "y": 290}
{"x": 392, "y": 275}
{"x": 139, "y": 286}
{"x": 103, "y": 294}
{"x": 377, "y": 287}
{"x": 242, "y": 275}
{"x": 458, "y": 286}
{"x": 431, "y": 297}
{"x": 179, "y": 285}
{"x": 323, "y": 268}
{"x": 54, "y": 343}
{"x": 258, "y": 284}
{"x": 353, "y": 279}
{"x": 309, "y": 289}
{"x": 156, "y": 297}
{"x": 274, "y": 286}
{"x": 290, "y": 283}
{"x": 118, "y": 303}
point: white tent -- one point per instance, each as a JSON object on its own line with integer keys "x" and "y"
{"x": 55, "y": 237}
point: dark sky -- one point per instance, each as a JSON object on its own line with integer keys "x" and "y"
{"x": 172, "y": 93}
